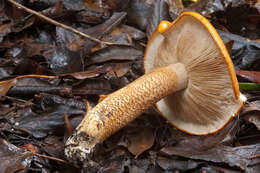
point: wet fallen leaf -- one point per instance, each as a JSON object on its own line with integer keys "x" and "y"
{"x": 193, "y": 143}
{"x": 140, "y": 140}
{"x": 90, "y": 86}
{"x": 121, "y": 69}
{"x": 175, "y": 8}
{"x": 12, "y": 158}
{"x": 64, "y": 60}
{"x": 119, "y": 36}
{"x": 233, "y": 156}
{"x": 254, "y": 118}
{"x": 238, "y": 17}
{"x": 175, "y": 164}
{"x": 50, "y": 122}
{"x": 95, "y": 5}
{"x": 76, "y": 5}
{"x": 251, "y": 112}
{"x": 134, "y": 33}
{"x": 87, "y": 74}
{"x": 160, "y": 11}
{"x": 20, "y": 81}
{"x": 251, "y": 76}
{"x": 91, "y": 17}
{"x": 245, "y": 53}
{"x": 122, "y": 53}
{"x": 69, "y": 55}
{"x": 36, "y": 108}
{"x": 5, "y": 86}
{"x": 138, "y": 13}
{"x": 117, "y": 5}
{"x": 4, "y": 30}
{"x": 29, "y": 147}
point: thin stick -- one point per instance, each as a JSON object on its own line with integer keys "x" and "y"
{"x": 20, "y": 100}
{"x": 55, "y": 159}
{"x": 60, "y": 24}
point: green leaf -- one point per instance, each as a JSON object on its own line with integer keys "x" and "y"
{"x": 249, "y": 86}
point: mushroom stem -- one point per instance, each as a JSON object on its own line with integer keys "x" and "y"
{"x": 123, "y": 106}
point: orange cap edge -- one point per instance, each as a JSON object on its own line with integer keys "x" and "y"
{"x": 165, "y": 25}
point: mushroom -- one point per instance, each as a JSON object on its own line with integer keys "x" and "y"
{"x": 188, "y": 75}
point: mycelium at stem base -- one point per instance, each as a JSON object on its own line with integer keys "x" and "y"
{"x": 122, "y": 107}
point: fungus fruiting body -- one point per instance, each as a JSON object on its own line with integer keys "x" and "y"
{"x": 189, "y": 76}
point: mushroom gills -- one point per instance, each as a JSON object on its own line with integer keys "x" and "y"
{"x": 212, "y": 96}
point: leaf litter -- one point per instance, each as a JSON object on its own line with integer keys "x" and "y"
{"x": 71, "y": 72}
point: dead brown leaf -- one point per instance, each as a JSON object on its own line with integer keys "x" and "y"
{"x": 6, "y": 85}
{"x": 251, "y": 76}
{"x": 140, "y": 141}
{"x": 12, "y": 158}
{"x": 234, "y": 156}
{"x": 115, "y": 53}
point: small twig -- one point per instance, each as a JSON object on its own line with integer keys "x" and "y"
{"x": 55, "y": 159}
{"x": 60, "y": 24}
{"x": 20, "y": 100}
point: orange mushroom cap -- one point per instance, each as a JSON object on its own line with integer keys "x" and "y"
{"x": 212, "y": 97}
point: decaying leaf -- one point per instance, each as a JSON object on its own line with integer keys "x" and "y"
{"x": 50, "y": 122}
{"x": 245, "y": 53}
{"x": 33, "y": 110}
{"x": 174, "y": 164}
{"x": 251, "y": 76}
{"x": 233, "y": 156}
{"x": 122, "y": 53}
{"x": 138, "y": 13}
{"x": 12, "y": 158}
{"x": 90, "y": 86}
{"x": 160, "y": 11}
{"x": 4, "y": 30}
{"x": 5, "y": 86}
{"x": 251, "y": 112}
{"x": 140, "y": 140}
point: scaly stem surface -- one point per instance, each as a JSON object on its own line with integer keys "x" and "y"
{"x": 123, "y": 106}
